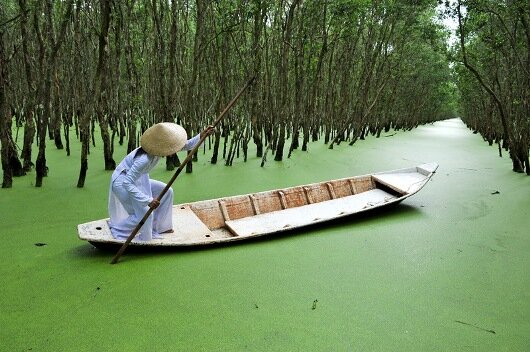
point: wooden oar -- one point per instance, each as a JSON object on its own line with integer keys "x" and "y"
{"x": 179, "y": 170}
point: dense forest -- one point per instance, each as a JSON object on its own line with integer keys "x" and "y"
{"x": 329, "y": 70}
{"x": 493, "y": 73}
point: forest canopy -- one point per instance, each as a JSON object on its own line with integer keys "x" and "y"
{"x": 334, "y": 70}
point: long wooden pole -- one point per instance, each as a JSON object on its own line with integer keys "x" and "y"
{"x": 179, "y": 170}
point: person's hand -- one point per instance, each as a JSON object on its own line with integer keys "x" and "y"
{"x": 155, "y": 203}
{"x": 208, "y": 131}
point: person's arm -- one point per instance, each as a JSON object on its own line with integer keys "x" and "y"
{"x": 191, "y": 143}
{"x": 208, "y": 131}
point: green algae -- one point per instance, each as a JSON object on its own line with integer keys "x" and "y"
{"x": 438, "y": 272}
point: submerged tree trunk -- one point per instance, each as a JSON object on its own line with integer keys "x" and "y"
{"x": 11, "y": 165}
{"x": 256, "y": 112}
{"x": 217, "y": 142}
{"x": 29, "y": 135}
{"x": 284, "y": 80}
{"x": 84, "y": 136}
{"x": 53, "y": 50}
{"x": 56, "y": 114}
{"x": 172, "y": 161}
{"x": 101, "y": 92}
{"x": 80, "y": 112}
{"x": 29, "y": 113}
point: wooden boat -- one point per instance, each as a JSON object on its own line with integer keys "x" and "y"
{"x": 251, "y": 215}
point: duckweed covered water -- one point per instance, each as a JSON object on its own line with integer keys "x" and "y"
{"x": 446, "y": 270}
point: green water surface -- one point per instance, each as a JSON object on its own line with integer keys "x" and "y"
{"x": 446, "y": 270}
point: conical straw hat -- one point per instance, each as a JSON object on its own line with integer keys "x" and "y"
{"x": 163, "y": 139}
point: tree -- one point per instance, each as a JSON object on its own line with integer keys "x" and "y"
{"x": 495, "y": 49}
{"x": 11, "y": 165}
{"x": 336, "y": 69}
{"x": 50, "y": 54}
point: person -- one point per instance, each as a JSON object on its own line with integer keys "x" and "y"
{"x": 132, "y": 192}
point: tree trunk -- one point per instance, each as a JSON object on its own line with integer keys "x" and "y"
{"x": 217, "y": 141}
{"x": 191, "y": 96}
{"x": 29, "y": 113}
{"x": 284, "y": 80}
{"x": 56, "y": 115}
{"x": 81, "y": 115}
{"x": 50, "y": 67}
{"x": 101, "y": 84}
{"x": 11, "y": 166}
{"x": 256, "y": 112}
{"x": 84, "y": 134}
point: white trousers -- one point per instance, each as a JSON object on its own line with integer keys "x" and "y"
{"x": 160, "y": 220}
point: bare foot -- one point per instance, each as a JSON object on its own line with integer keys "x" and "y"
{"x": 168, "y": 231}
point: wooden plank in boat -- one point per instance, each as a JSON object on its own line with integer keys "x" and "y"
{"x": 188, "y": 226}
{"x": 291, "y": 218}
{"x": 407, "y": 182}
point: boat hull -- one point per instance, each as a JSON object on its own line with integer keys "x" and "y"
{"x": 254, "y": 215}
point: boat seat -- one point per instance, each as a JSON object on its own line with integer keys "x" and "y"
{"x": 187, "y": 225}
{"x": 404, "y": 182}
{"x": 291, "y": 218}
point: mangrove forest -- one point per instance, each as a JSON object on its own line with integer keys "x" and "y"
{"x": 100, "y": 72}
